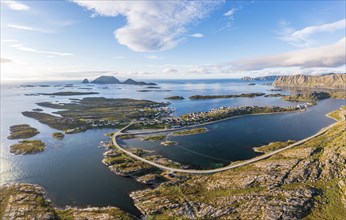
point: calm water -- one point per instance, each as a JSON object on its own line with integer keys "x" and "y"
{"x": 71, "y": 170}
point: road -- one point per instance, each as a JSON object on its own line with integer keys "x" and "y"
{"x": 231, "y": 166}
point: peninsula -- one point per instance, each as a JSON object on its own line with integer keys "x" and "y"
{"x": 329, "y": 81}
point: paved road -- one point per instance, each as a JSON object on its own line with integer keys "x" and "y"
{"x": 232, "y": 166}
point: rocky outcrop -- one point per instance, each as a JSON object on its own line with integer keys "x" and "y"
{"x": 330, "y": 81}
{"x": 85, "y": 81}
{"x": 20, "y": 201}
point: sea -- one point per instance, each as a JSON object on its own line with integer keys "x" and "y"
{"x": 71, "y": 171}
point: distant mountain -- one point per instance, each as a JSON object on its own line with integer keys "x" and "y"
{"x": 85, "y": 81}
{"x": 261, "y": 78}
{"x": 133, "y": 82}
{"x": 328, "y": 81}
{"x": 113, "y": 80}
{"x": 106, "y": 80}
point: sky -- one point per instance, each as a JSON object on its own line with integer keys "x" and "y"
{"x": 76, "y": 39}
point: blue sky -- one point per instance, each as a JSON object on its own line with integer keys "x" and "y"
{"x": 170, "y": 39}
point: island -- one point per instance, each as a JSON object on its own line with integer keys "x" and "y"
{"x": 58, "y": 135}
{"x": 174, "y": 98}
{"x": 85, "y": 81}
{"x": 27, "y": 147}
{"x": 328, "y": 81}
{"x": 113, "y": 80}
{"x": 22, "y": 131}
{"x": 168, "y": 143}
{"x": 190, "y": 132}
{"x": 154, "y": 138}
{"x": 249, "y": 95}
{"x": 98, "y": 112}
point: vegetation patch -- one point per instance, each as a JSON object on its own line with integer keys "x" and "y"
{"x": 22, "y": 131}
{"x": 154, "y": 138}
{"x": 306, "y": 97}
{"x": 126, "y": 136}
{"x": 273, "y": 146}
{"x": 190, "y": 132}
{"x": 27, "y": 147}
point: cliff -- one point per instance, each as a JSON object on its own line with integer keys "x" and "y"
{"x": 330, "y": 81}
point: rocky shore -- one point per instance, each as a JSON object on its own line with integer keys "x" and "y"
{"x": 29, "y": 201}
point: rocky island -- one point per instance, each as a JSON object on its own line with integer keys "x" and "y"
{"x": 58, "y": 135}
{"x": 113, "y": 80}
{"x": 174, "y": 98}
{"x": 27, "y": 147}
{"x": 22, "y": 131}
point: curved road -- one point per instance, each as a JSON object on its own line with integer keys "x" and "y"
{"x": 191, "y": 171}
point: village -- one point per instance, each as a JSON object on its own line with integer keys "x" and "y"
{"x": 161, "y": 117}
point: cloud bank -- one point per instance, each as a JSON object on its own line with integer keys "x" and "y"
{"x": 151, "y": 25}
{"x": 14, "y": 5}
{"x": 310, "y": 60}
{"x": 327, "y": 56}
{"x": 302, "y": 38}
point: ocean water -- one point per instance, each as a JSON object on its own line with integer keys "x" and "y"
{"x": 71, "y": 170}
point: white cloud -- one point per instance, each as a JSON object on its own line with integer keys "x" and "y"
{"x": 327, "y": 56}
{"x": 153, "y": 57}
{"x": 32, "y": 50}
{"x": 151, "y": 25}
{"x": 231, "y": 12}
{"x": 169, "y": 71}
{"x": 302, "y": 38}
{"x": 5, "y": 60}
{"x": 14, "y": 5}
{"x": 197, "y": 35}
{"x": 330, "y": 58}
{"x": 26, "y": 28}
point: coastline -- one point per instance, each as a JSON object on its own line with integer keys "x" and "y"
{"x": 231, "y": 166}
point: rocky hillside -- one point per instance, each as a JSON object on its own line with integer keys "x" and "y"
{"x": 330, "y": 81}
{"x": 27, "y": 201}
{"x": 307, "y": 181}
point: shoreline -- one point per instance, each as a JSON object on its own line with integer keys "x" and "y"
{"x": 231, "y": 166}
